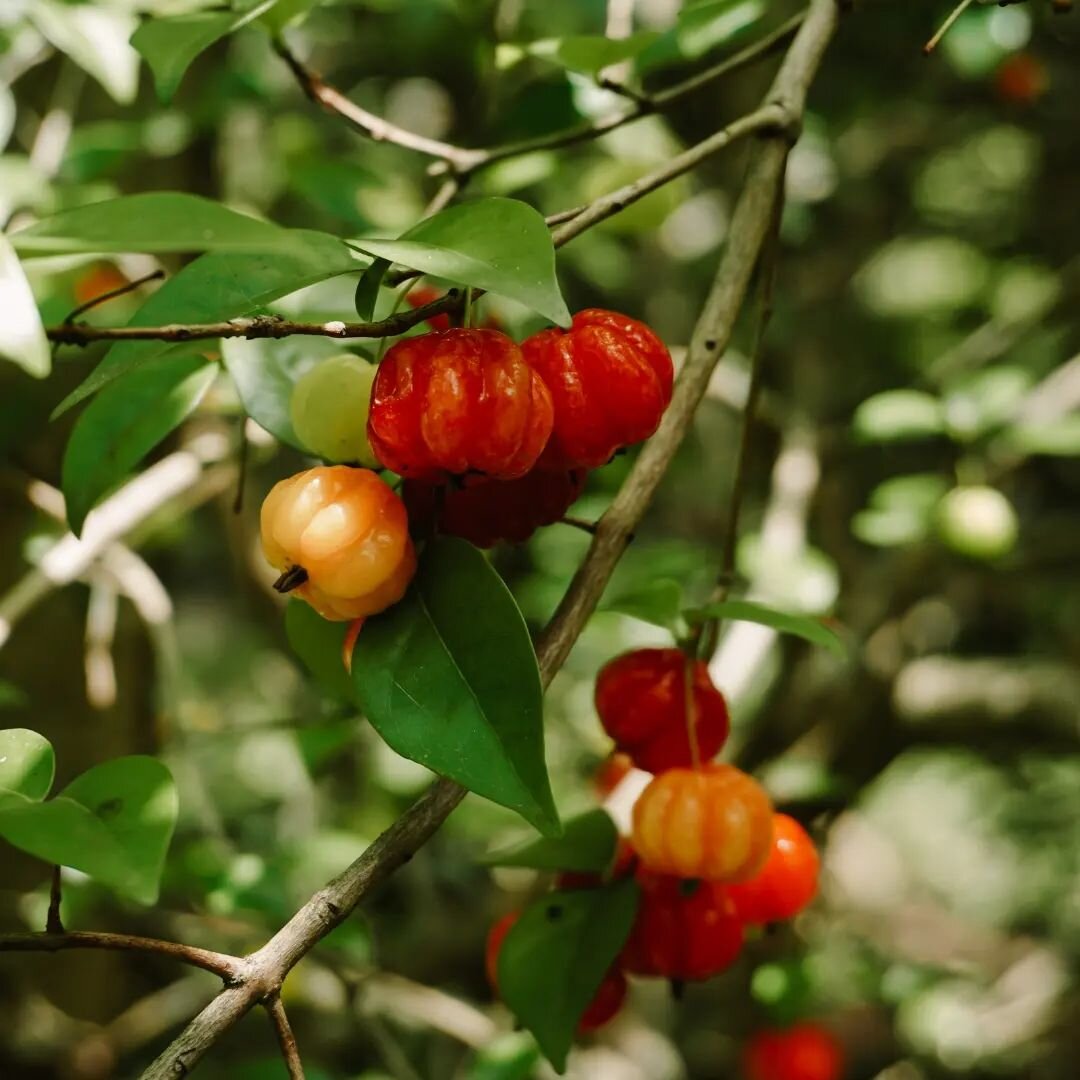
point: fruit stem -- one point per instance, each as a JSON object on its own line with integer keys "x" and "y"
{"x": 291, "y": 579}
{"x": 690, "y": 710}
{"x": 467, "y": 317}
{"x": 394, "y": 307}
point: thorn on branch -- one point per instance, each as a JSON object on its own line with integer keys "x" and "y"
{"x": 579, "y": 523}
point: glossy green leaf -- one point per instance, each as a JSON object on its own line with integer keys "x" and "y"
{"x": 367, "y": 289}
{"x": 94, "y": 36}
{"x": 155, "y": 221}
{"x": 169, "y": 45}
{"x": 590, "y": 53}
{"x": 898, "y": 414}
{"x": 22, "y": 337}
{"x": 448, "y": 678}
{"x": 556, "y": 955}
{"x": 587, "y": 844}
{"x": 114, "y": 823}
{"x": 124, "y": 423}
{"x": 803, "y": 626}
{"x": 266, "y": 371}
{"x": 27, "y": 764}
{"x": 220, "y": 286}
{"x": 318, "y": 642}
{"x": 501, "y": 245}
{"x": 658, "y": 602}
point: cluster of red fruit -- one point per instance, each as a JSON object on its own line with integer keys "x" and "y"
{"x": 492, "y": 439}
{"x": 710, "y": 855}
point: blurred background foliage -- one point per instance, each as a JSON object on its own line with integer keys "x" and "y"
{"x": 914, "y": 476}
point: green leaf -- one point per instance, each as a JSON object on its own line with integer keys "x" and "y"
{"x": 95, "y": 36}
{"x": 803, "y": 626}
{"x": 266, "y": 371}
{"x": 658, "y": 602}
{"x": 556, "y": 955}
{"x": 588, "y": 843}
{"x": 125, "y": 423}
{"x": 27, "y": 764}
{"x": 22, "y": 337}
{"x": 220, "y": 286}
{"x": 590, "y": 53}
{"x": 318, "y": 642}
{"x": 701, "y": 27}
{"x": 170, "y": 45}
{"x": 898, "y": 414}
{"x": 448, "y": 678}
{"x": 114, "y": 823}
{"x": 367, "y": 289}
{"x": 501, "y": 245}
{"x": 155, "y": 221}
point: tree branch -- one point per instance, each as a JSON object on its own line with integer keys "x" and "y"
{"x": 463, "y": 162}
{"x": 230, "y": 968}
{"x": 705, "y": 634}
{"x": 259, "y": 326}
{"x": 643, "y": 104}
{"x": 569, "y": 224}
{"x": 374, "y": 127}
{"x": 749, "y": 228}
{"x": 69, "y": 558}
{"x": 285, "y": 1037}
{"x": 770, "y": 117}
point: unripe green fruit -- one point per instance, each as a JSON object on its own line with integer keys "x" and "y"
{"x": 977, "y": 521}
{"x": 329, "y": 410}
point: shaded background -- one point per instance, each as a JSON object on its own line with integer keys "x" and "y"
{"x": 930, "y": 241}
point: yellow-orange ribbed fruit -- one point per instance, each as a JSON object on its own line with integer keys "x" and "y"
{"x": 348, "y": 532}
{"x": 713, "y": 823}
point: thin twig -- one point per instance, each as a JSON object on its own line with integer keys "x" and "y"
{"x": 259, "y": 326}
{"x": 764, "y": 46}
{"x": 770, "y": 117}
{"x": 706, "y": 633}
{"x": 578, "y": 523}
{"x": 53, "y": 923}
{"x": 374, "y": 127}
{"x": 750, "y": 226}
{"x": 448, "y": 191}
{"x": 70, "y": 557}
{"x": 464, "y": 162}
{"x": 120, "y": 290}
{"x": 230, "y": 968}
{"x": 955, "y": 14}
{"x": 285, "y": 1037}
{"x": 561, "y": 216}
